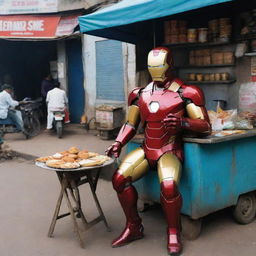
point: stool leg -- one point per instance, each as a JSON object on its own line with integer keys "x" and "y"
{"x": 57, "y": 210}
{"x": 92, "y": 185}
{"x": 77, "y": 200}
{"x": 74, "y": 219}
{"x": 77, "y": 193}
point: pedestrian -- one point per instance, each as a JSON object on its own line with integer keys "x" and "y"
{"x": 47, "y": 85}
{"x": 56, "y": 100}
{"x": 7, "y": 105}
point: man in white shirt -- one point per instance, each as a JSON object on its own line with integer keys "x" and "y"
{"x": 56, "y": 100}
{"x": 7, "y": 105}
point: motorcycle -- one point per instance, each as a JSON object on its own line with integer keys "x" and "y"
{"x": 31, "y": 114}
{"x": 58, "y": 121}
{"x": 29, "y": 110}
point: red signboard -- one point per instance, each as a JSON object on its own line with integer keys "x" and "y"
{"x": 28, "y": 26}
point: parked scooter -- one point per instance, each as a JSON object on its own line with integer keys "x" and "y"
{"x": 30, "y": 113}
{"x": 58, "y": 122}
{"x": 29, "y": 110}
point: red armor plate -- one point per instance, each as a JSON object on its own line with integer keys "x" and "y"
{"x": 157, "y": 137}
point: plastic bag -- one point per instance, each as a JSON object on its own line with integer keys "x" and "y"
{"x": 243, "y": 124}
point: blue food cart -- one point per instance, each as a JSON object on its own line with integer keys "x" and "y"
{"x": 218, "y": 172}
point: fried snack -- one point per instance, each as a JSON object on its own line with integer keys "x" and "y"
{"x": 83, "y": 155}
{"x": 89, "y": 162}
{"x": 57, "y": 156}
{"x": 64, "y": 153}
{"x": 43, "y": 159}
{"x": 84, "y": 151}
{"x": 73, "y": 150}
{"x": 92, "y": 154}
{"x": 70, "y": 165}
{"x": 225, "y": 133}
{"x": 54, "y": 163}
{"x": 68, "y": 159}
{"x": 101, "y": 158}
{"x": 74, "y": 156}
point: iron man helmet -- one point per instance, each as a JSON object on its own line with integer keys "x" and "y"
{"x": 159, "y": 62}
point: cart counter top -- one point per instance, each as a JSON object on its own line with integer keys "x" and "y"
{"x": 212, "y": 139}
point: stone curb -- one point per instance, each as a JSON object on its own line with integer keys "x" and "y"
{"x": 25, "y": 155}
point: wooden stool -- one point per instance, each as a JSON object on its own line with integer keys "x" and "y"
{"x": 70, "y": 181}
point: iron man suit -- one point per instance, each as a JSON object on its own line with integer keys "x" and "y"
{"x": 166, "y": 107}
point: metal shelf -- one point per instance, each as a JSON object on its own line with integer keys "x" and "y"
{"x": 246, "y": 37}
{"x": 212, "y": 82}
{"x": 250, "y": 54}
{"x": 208, "y": 66}
{"x": 197, "y": 45}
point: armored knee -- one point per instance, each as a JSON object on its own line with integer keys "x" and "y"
{"x": 169, "y": 189}
{"x": 119, "y": 182}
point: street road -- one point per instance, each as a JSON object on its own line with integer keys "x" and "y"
{"x": 28, "y": 195}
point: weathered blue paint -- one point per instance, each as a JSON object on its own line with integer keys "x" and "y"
{"x": 109, "y": 70}
{"x": 76, "y": 94}
{"x": 214, "y": 175}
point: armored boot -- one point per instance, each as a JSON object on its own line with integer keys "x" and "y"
{"x": 172, "y": 209}
{"x": 133, "y": 229}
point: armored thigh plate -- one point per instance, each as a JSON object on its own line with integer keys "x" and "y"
{"x": 134, "y": 165}
{"x": 169, "y": 168}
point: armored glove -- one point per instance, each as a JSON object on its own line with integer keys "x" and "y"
{"x": 175, "y": 122}
{"x": 114, "y": 149}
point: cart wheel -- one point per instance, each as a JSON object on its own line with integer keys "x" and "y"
{"x": 191, "y": 229}
{"x": 245, "y": 209}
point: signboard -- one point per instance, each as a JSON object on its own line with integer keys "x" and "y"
{"x": 28, "y": 26}
{"x": 67, "y": 25}
{"x": 28, "y": 6}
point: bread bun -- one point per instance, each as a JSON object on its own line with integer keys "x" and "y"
{"x": 83, "y": 155}
{"x": 69, "y": 165}
{"x": 74, "y": 156}
{"x": 68, "y": 159}
{"x": 73, "y": 150}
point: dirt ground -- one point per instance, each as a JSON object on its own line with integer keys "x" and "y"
{"x": 28, "y": 195}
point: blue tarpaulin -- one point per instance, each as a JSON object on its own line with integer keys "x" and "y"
{"x": 110, "y": 21}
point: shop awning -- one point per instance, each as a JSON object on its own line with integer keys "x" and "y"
{"x": 37, "y": 27}
{"x": 110, "y": 22}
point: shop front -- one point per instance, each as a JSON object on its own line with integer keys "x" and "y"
{"x": 210, "y": 42}
{"x": 33, "y": 46}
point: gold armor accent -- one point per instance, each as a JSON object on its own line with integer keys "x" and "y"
{"x": 134, "y": 165}
{"x": 133, "y": 116}
{"x": 169, "y": 167}
{"x": 194, "y": 111}
{"x": 157, "y": 65}
{"x": 174, "y": 87}
{"x": 171, "y": 139}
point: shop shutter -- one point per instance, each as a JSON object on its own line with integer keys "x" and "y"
{"x": 109, "y": 70}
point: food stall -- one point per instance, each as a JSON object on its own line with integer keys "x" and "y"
{"x": 209, "y": 41}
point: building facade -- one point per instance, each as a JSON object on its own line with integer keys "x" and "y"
{"x": 41, "y": 37}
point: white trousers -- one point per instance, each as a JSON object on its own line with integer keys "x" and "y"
{"x": 50, "y": 117}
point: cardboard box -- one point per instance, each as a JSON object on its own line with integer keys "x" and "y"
{"x": 109, "y": 117}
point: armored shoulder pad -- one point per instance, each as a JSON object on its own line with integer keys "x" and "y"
{"x": 134, "y": 95}
{"x": 193, "y": 93}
